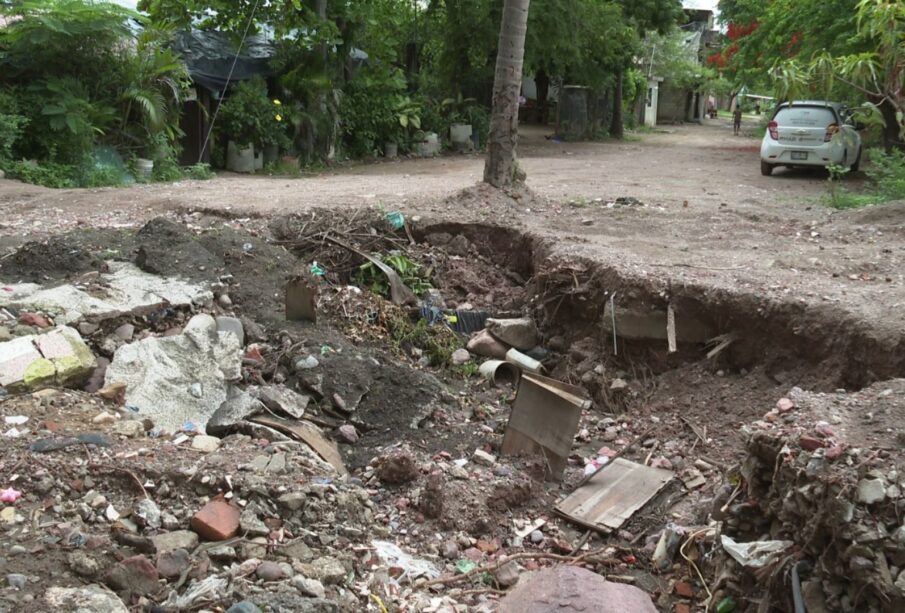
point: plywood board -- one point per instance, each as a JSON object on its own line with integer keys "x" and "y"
{"x": 613, "y": 495}
{"x": 543, "y": 421}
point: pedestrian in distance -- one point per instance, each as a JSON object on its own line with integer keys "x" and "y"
{"x": 737, "y": 120}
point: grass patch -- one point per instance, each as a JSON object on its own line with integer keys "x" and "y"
{"x": 887, "y": 182}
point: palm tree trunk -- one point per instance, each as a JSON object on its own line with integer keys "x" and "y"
{"x": 501, "y": 166}
{"x": 616, "y": 128}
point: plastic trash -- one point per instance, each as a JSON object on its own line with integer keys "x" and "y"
{"x": 465, "y": 566}
{"x": 726, "y": 605}
{"x": 16, "y": 420}
{"x": 755, "y": 554}
{"x": 10, "y": 495}
{"x": 391, "y": 555}
{"x": 395, "y": 219}
{"x": 317, "y": 270}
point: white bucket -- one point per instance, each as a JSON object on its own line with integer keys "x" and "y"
{"x": 144, "y": 168}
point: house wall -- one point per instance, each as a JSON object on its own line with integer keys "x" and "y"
{"x": 671, "y": 104}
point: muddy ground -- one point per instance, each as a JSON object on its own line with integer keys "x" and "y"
{"x": 812, "y": 299}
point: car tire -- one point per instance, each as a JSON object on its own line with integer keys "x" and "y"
{"x": 766, "y": 169}
{"x": 857, "y": 163}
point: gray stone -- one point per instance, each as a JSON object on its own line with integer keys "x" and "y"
{"x": 244, "y": 606}
{"x": 293, "y": 501}
{"x": 347, "y": 433}
{"x": 159, "y": 373}
{"x": 205, "y": 443}
{"x": 259, "y": 463}
{"x": 222, "y": 553}
{"x": 326, "y": 570}
{"x": 507, "y": 574}
{"x": 171, "y": 564}
{"x": 125, "y": 332}
{"x": 135, "y": 575}
{"x": 179, "y": 539}
{"x": 88, "y": 599}
{"x": 482, "y": 457}
{"x": 269, "y": 571}
{"x": 900, "y": 581}
{"x": 566, "y": 589}
{"x": 130, "y": 428}
{"x": 461, "y": 356}
{"x": 309, "y": 587}
{"x": 871, "y": 491}
{"x": 5, "y": 334}
{"x": 17, "y": 550}
{"x": 277, "y": 463}
{"x": 282, "y": 399}
{"x": 520, "y": 333}
{"x": 306, "y": 363}
{"x": 147, "y": 513}
{"x": 537, "y": 537}
{"x": 250, "y": 522}
{"x": 16, "y": 581}
{"x": 234, "y": 409}
{"x": 232, "y": 325}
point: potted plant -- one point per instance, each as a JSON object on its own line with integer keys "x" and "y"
{"x": 456, "y": 110}
{"x": 405, "y": 114}
{"x": 247, "y": 117}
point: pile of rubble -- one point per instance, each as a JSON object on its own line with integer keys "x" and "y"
{"x": 178, "y": 436}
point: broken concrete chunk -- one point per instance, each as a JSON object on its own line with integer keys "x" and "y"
{"x": 233, "y": 325}
{"x": 128, "y": 289}
{"x": 871, "y": 491}
{"x": 520, "y": 333}
{"x": 282, "y": 399}
{"x": 58, "y": 357}
{"x": 239, "y": 406}
{"x": 179, "y": 379}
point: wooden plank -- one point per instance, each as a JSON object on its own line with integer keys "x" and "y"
{"x": 543, "y": 421}
{"x": 613, "y": 495}
{"x": 309, "y": 434}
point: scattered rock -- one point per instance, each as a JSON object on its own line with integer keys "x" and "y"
{"x": 507, "y": 575}
{"x": 482, "y": 343}
{"x": 135, "y": 575}
{"x": 461, "y": 356}
{"x": 282, "y": 399}
{"x": 397, "y": 468}
{"x": 178, "y": 539}
{"x": 482, "y": 457}
{"x": 88, "y": 599}
{"x": 309, "y": 587}
{"x": 125, "y": 332}
{"x": 569, "y": 588}
{"x": 784, "y": 405}
{"x": 216, "y": 521}
{"x": 130, "y": 428}
{"x": 520, "y": 333}
{"x": 871, "y": 491}
{"x": 245, "y": 606}
{"x": 810, "y": 443}
{"x": 306, "y": 363}
{"x": 172, "y": 563}
{"x": 16, "y": 581}
{"x": 347, "y": 434}
{"x": 205, "y": 443}
{"x": 269, "y": 571}
{"x": 326, "y": 570}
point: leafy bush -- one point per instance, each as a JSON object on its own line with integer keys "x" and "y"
{"x": 48, "y": 174}
{"x": 250, "y": 117}
{"x": 887, "y": 172}
{"x": 12, "y": 124}
{"x": 375, "y": 110}
{"x": 200, "y": 172}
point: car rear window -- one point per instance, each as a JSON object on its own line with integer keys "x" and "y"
{"x": 805, "y": 117}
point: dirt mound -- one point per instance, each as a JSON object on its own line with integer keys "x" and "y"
{"x": 167, "y": 248}
{"x": 485, "y": 197}
{"x": 56, "y": 259}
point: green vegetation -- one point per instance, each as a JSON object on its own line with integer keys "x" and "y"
{"x": 886, "y": 173}
{"x": 411, "y": 272}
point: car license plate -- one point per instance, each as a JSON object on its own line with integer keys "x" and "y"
{"x": 799, "y": 155}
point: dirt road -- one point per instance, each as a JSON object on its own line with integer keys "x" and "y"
{"x": 705, "y": 216}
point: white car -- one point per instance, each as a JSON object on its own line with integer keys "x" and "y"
{"x": 810, "y": 133}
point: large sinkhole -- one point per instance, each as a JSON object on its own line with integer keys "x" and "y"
{"x": 679, "y": 374}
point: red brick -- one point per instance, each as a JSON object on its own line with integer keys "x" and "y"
{"x": 681, "y": 607}
{"x": 684, "y": 589}
{"x": 809, "y": 443}
{"x": 217, "y": 521}
{"x": 834, "y": 452}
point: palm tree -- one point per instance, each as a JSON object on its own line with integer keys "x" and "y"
{"x": 501, "y": 168}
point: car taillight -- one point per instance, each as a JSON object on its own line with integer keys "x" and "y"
{"x": 774, "y": 130}
{"x": 830, "y": 131}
